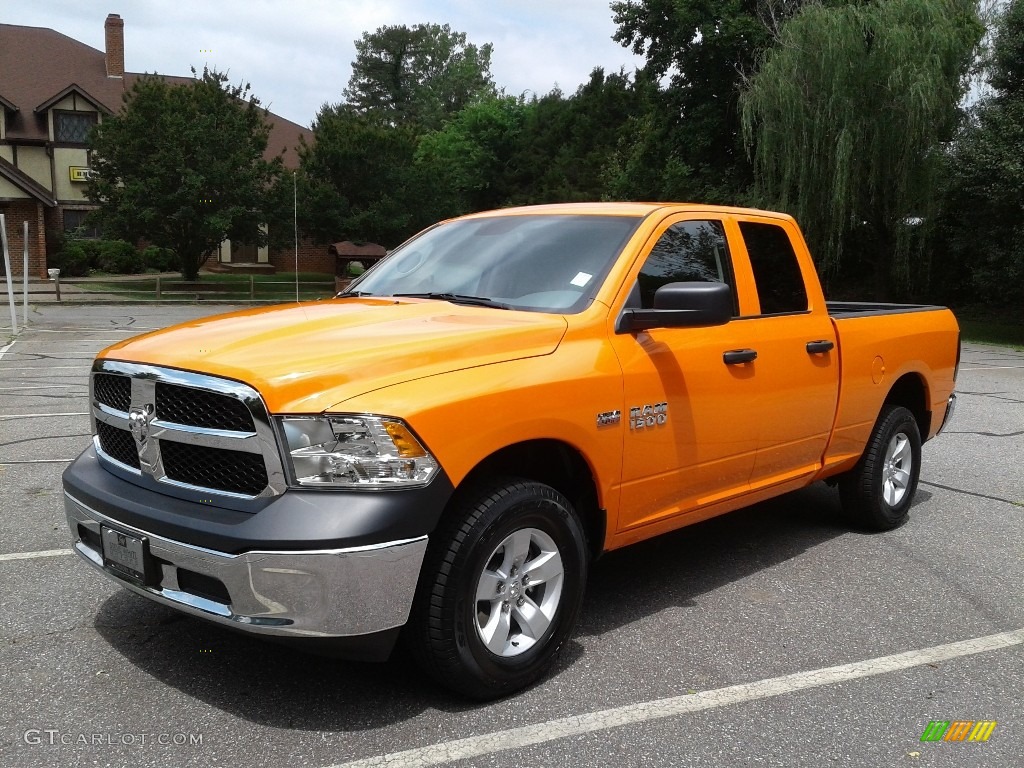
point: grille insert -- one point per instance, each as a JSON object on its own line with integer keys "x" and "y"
{"x": 230, "y": 471}
{"x": 118, "y": 444}
{"x": 113, "y": 391}
{"x": 201, "y": 408}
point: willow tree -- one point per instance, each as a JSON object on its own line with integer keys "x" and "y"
{"x": 845, "y": 118}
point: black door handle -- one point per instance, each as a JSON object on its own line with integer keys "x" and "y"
{"x": 739, "y": 356}
{"x": 818, "y": 347}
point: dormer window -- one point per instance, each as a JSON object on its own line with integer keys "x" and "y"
{"x": 72, "y": 127}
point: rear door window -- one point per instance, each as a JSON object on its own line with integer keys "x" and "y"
{"x": 780, "y": 285}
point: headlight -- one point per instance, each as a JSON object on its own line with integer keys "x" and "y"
{"x": 356, "y": 452}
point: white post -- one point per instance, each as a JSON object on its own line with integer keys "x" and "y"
{"x": 10, "y": 277}
{"x": 24, "y": 277}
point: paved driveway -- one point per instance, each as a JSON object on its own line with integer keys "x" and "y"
{"x": 773, "y": 636}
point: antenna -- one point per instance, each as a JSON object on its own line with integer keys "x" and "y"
{"x": 295, "y": 220}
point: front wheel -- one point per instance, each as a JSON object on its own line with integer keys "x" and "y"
{"x": 501, "y": 589}
{"x": 878, "y": 491}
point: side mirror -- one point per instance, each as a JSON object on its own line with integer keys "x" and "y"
{"x": 681, "y": 305}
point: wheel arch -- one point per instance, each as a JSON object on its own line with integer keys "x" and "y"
{"x": 557, "y": 464}
{"x": 911, "y": 391}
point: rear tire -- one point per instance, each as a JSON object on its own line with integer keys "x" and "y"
{"x": 500, "y": 590}
{"x": 878, "y": 491}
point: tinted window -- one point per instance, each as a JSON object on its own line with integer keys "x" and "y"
{"x": 780, "y": 286}
{"x": 690, "y": 251}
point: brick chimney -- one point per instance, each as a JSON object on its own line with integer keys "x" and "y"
{"x": 114, "y": 34}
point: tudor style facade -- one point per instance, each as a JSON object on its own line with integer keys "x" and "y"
{"x": 53, "y": 90}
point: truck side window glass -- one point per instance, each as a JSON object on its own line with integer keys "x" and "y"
{"x": 689, "y": 251}
{"x": 780, "y": 285}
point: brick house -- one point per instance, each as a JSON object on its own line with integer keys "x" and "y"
{"x": 53, "y": 89}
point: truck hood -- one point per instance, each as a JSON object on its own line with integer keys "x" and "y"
{"x": 306, "y": 358}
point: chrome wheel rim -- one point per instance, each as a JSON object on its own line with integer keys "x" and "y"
{"x": 899, "y": 463}
{"x": 518, "y": 592}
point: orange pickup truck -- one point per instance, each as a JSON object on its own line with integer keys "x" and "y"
{"x": 441, "y": 450}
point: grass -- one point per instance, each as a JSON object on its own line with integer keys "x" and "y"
{"x": 992, "y": 325}
{"x": 982, "y": 332}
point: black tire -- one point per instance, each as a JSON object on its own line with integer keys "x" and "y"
{"x": 445, "y": 632}
{"x": 878, "y": 491}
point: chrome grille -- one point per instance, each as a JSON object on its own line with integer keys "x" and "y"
{"x": 229, "y": 471}
{"x": 185, "y": 434}
{"x": 200, "y": 408}
{"x": 118, "y": 444}
{"x": 113, "y": 391}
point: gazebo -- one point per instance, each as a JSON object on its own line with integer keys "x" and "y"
{"x": 347, "y": 254}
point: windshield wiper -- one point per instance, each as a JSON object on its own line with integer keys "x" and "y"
{"x": 456, "y": 298}
{"x": 346, "y": 294}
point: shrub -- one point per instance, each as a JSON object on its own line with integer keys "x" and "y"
{"x": 160, "y": 259}
{"x": 118, "y": 257}
{"x": 72, "y": 260}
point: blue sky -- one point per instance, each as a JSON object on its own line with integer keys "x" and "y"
{"x": 297, "y": 53}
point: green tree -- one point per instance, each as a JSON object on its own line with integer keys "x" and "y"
{"x": 182, "y": 166}
{"x": 686, "y": 143}
{"x": 567, "y": 144}
{"x": 417, "y": 76}
{"x": 984, "y": 211}
{"x": 846, "y": 117}
{"x": 357, "y": 180}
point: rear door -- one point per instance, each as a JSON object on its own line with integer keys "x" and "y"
{"x": 797, "y": 361}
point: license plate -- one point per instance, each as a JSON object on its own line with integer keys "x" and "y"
{"x": 124, "y": 554}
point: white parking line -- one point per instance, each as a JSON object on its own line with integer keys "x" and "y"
{"x": 540, "y": 733}
{"x": 12, "y": 416}
{"x": 33, "y": 555}
{"x": 994, "y": 368}
{"x": 36, "y": 461}
{"x": 3, "y": 350}
{"x": 42, "y": 386}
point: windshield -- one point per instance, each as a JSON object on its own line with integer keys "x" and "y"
{"x": 541, "y": 263}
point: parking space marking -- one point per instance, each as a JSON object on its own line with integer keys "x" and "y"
{"x": 540, "y": 733}
{"x": 3, "y": 350}
{"x": 42, "y": 386}
{"x": 994, "y": 368}
{"x": 36, "y": 461}
{"x": 13, "y": 416}
{"x": 33, "y": 555}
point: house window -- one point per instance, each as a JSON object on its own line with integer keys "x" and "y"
{"x": 74, "y": 225}
{"x": 72, "y": 127}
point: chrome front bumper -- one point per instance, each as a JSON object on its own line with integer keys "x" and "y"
{"x": 323, "y": 593}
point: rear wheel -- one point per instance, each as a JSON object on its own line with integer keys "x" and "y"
{"x": 501, "y": 589}
{"x": 878, "y": 491}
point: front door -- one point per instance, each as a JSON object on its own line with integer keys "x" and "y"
{"x": 691, "y": 418}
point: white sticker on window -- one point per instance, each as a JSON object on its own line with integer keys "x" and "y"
{"x": 581, "y": 279}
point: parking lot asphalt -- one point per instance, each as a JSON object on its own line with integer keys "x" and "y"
{"x": 726, "y": 643}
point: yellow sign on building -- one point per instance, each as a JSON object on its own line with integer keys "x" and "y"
{"x": 80, "y": 173}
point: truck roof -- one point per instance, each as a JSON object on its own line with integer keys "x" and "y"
{"x": 621, "y": 209}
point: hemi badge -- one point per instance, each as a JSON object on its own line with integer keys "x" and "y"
{"x": 608, "y": 417}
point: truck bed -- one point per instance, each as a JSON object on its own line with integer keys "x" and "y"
{"x": 840, "y": 309}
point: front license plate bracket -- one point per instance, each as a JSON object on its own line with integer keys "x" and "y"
{"x": 127, "y": 556}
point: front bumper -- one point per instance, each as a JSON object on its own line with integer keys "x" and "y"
{"x": 329, "y": 593}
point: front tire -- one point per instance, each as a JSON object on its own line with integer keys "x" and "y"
{"x": 878, "y": 491}
{"x": 501, "y": 589}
